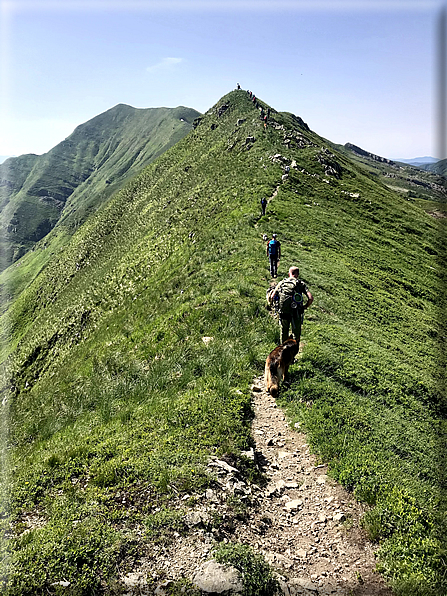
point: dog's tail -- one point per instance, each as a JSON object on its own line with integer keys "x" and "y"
{"x": 271, "y": 378}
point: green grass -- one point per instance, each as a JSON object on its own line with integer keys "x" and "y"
{"x": 111, "y": 390}
{"x": 70, "y": 182}
{"x": 257, "y": 577}
{"x": 418, "y": 184}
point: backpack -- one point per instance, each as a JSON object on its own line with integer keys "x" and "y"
{"x": 273, "y": 248}
{"x": 291, "y": 296}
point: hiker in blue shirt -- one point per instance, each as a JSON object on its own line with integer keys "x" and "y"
{"x": 274, "y": 254}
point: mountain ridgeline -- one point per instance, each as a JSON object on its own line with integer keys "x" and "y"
{"x": 73, "y": 179}
{"x": 440, "y": 167}
{"x": 422, "y": 184}
{"x": 127, "y": 361}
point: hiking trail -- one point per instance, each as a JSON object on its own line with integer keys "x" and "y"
{"x": 303, "y": 523}
{"x": 274, "y": 193}
{"x": 313, "y": 538}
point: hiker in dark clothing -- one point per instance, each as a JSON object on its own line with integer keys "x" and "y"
{"x": 274, "y": 254}
{"x": 238, "y": 87}
{"x": 263, "y": 205}
{"x": 290, "y": 293}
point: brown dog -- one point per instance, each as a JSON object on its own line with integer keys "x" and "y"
{"x": 277, "y": 364}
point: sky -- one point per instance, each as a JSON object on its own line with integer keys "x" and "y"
{"x": 363, "y": 71}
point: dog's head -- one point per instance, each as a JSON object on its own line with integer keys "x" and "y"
{"x": 292, "y": 345}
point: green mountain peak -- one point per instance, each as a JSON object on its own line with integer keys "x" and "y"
{"x": 80, "y": 173}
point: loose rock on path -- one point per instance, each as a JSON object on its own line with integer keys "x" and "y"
{"x": 303, "y": 523}
{"x": 306, "y": 525}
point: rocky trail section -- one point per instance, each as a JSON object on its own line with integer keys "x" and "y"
{"x": 311, "y": 525}
{"x": 304, "y": 524}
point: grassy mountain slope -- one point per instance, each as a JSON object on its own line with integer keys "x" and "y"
{"x": 440, "y": 167}
{"x": 79, "y": 174}
{"x": 110, "y": 392}
{"x": 423, "y": 185}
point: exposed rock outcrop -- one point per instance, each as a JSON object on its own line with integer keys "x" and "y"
{"x": 364, "y": 153}
{"x": 216, "y": 579}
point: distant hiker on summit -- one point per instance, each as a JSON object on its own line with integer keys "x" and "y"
{"x": 263, "y": 205}
{"x": 274, "y": 254}
{"x": 290, "y": 292}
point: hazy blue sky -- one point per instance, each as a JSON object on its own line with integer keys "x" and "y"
{"x": 362, "y": 72}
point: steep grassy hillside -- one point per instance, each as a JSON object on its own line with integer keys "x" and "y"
{"x": 423, "y": 185}
{"x": 113, "y": 401}
{"x": 78, "y": 175}
{"x": 440, "y": 167}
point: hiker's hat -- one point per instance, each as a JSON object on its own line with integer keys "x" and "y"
{"x": 274, "y": 235}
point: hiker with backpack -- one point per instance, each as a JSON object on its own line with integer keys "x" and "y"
{"x": 274, "y": 254}
{"x": 290, "y": 293}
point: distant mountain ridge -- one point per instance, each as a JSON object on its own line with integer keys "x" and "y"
{"x": 416, "y": 161}
{"x": 364, "y": 153}
{"x": 81, "y": 172}
{"x": 425, "y": 182}
{"x": 439, "y": 167}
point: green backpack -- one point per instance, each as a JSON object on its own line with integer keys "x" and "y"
{"x": 291, "y": 296}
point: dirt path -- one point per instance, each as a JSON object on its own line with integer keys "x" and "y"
{"x": 305, "y": 525}
{"x": 275, "y": 192}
